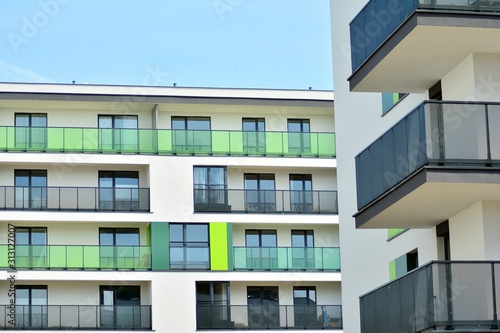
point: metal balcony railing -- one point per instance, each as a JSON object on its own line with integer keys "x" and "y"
{"x": 75, "y": 317}
{"x": 440, "y": 295}
{"x": 458, "y": 134}
{"x": 379, "y": 19}
{"x": 76, "y": 257}
{"x": 287, "y": 258}
{"x": 74, "y": 198}
{"x": 259, "y": 317}
{"x": 166, "y": 142}
{"x": 264, "y": 201}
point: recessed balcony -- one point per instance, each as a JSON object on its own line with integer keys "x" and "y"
{"x": 53, "y": 198}
{"x": 438, "y": 160}
{"x": 264, "y": 317}
{"x": 83, "y": 257}
{"x": 220, "y": 200}
{"x": 437, "y": 297}
{"x": 287, "y": 258}
{"x": 75, "y": 317}
{"x": 166, "y": 142}
{"x": 408, "y": 45}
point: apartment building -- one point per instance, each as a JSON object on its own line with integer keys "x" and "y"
{"x": 417, "y": 114}
{"x": 168, "y": 209}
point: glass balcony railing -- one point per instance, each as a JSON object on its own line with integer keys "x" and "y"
{"x": 379, "y": 19}
{"x": 265, "y": 201}
{"x": 287, "y": 258}
{"x": 77, "y": 257}
{"x": 76, "y": 317}
{"x": 458, "y": 134}
{"x": 440, "y": 295}
{"x": 166, "y": 142}
{"x": 259, "y": 317}
{"x": 74, "y": 198}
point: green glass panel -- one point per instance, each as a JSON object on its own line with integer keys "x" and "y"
{"x": 90, "y": 141}
{"x": 11, "y": 139}
{"x": 236, "y": 143}
{"x": 274, "y": 143}
{"x": 164, "y": 141}
{"x": 391, "y": 233}
{"x": 330, "y": 258}
{"x": 3, "y": 138}
{"x": 326, "y": 144}
{"x": 55, "y": 139}
{"x": 221, "y": 142}
{"x": 39, "y": 257}
{"x": 240, "y": 258}
{"x": 90, "y": 257}
{"x": 144, "y": 258}
{"x": 4, "y": 256}
{"x": 147, "y": 141}
{"x": 57, "y": 256}
{"x": 74, "y": 257}
{"x": 72, "y": 139}
{"x": 23, "y": 256}
{"x": 283, "y": 260}
{"x": 107, "y": 258}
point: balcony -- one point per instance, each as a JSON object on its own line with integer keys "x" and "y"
{"x": 408, "y": 45}
{"x": 91, "y": 257}
{"x": 260, "y": 317}
{"x": 76, "y": 317}
{"x": 53, "y": 198}
{"x": 438, "y": 160}
{"x": 286, "y": 259}
{"x": 166, "y": 142}
{"x": 265, "y": 201}
{"x": 438, "y": 296}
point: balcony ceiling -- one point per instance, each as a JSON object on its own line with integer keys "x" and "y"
{"x": 424, "y": 50}
{"x": 429, "y": 198}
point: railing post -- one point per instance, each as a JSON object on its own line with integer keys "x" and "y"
{"x": 449, "y": 296}
{"x": 494, "y": 294}
{"x": 488, "y": 141}
{"x": 442, "y": 152}
{"x": 59, "y": 198}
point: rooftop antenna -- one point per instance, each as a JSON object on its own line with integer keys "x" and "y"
{"x": 73, "y": 81}
{"x": 310, "y": 88}
{"x": 175, "y": 84}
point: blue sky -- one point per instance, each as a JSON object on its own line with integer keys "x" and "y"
{"x": 200, "y": 43}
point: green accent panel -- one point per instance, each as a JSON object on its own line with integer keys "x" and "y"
{"x": 165, "y": 141}
{"x": 91, "y": 257}
{"x": 287, "y": 258}
{"x": 148, "y": 235}
{"x": 221, "y": 142}
{"x": 230, "y": 246}
{"x": 394, "y": 232}
{"x": 395, "y": 98}
{"x": 4, "y": 253}
{"x": 236, "y": 144}
{"x": 392, "y": 270}
{"x": 219, "y": 254}
{"x": 160, "y": 251}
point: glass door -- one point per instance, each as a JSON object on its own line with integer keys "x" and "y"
{"x": 119, "y": 190}
{"x": 120, "y": 307}
{"x": 30, "y": 189}
{"x": 117, "y": 132}
{"x": 31, "y": 130}
{"x": 210, "y": 192}
{"x": 305, "y": 307}
{"x": 299, "y": 138}
{"x": 31, "y": 247}
{"x": 301, "y": 195}
{"x": 260, "y": 194}
{"x": 303, "y": 249}
{"x": 254, "y": 136}
{"x": 31, "y": 306}
{"x": 262, "y": 251}
{"x": 191, "y": 134}
{"x": 263, "y": 307}
{"x": 117, "y": 248}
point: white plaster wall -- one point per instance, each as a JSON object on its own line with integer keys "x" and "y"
{"x": 458, "y": 84}
{"x": 491, "y": 216}
{"x": 467, "y": 234}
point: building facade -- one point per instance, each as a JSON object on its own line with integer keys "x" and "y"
{"x": 416, "y": 109}
{"x": 168, "y": 209}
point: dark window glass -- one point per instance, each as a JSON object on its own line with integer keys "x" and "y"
{"x": 119, "y": 190}
{"x": 263, "y": 307}
{"x": 191, "y": 135}
{"x": 118, "y": 132}
{"x": 31, "y": 189}
{"x": 299, "y": 139}
{"x": 210, "y": 192}
{"x": 120, "y": 306}
{"x": 260, "y": 194}
{"x": 301, "y": 195}
{"x": 254, "y": 136}
{"x": 119, "y": 236}
{"x": 31, "y": 306}
{"x": 30, "y": 132}
{"x": 304, "y": 307}
{"x": 189, "y": 246}
{"x": 260, "y": 238}
{"x": 302, "y": 238}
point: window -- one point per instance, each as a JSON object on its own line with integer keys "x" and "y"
{"x": 212, "y": 305}
{"x": 31, "y": 247}
{"x": 304, "y": 306}
{"x": 210, "y": 192}
{"x": 391, "y": 99}
{"x": 119, "y": 190}
{"x": 30, "y": 131}
{"x": 117, "y": 247}
{"x": 263, "y": 307}
{"x": 402, "y": 265}
{"x": 262, "y": 251}
{"x": 118, "y": 132}
{"x": 301, "y": 195}
{"x": 299, "y": 139}
{"x": 303, "y": 249}
{"x": 254, "y": 136}
{"x": 120, "y": 306}
{"x": 31, "y": 306}
{"x": 30, "y": 189}
{"x": 260, "y": 195}
{"x": 191, "y": 134}
{"x": 189, "y": 246}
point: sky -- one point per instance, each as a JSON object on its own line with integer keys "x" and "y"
{"x": 276, "y": 44}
